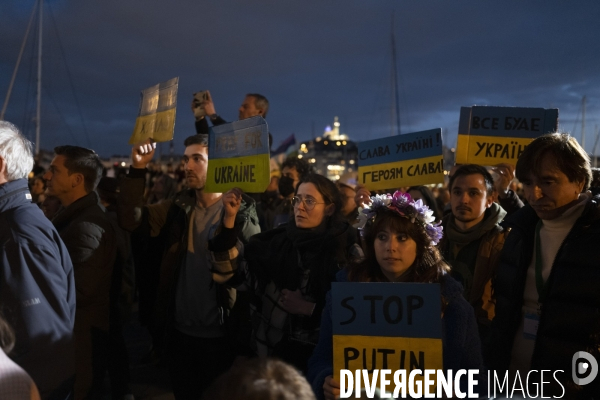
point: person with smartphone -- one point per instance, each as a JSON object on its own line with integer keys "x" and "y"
{"x": 202, "y": 105}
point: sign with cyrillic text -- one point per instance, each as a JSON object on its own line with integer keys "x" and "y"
{"x": 493, "y": 135}
{"x": 156, "y": 119}
{"x": 405, "y": 160}
{"x": 238, "y": 156}
{"x": 391, "y": 326}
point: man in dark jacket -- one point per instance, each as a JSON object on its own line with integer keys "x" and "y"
{"x": 88, "y": 234}
{"x": 547, "y": 306}
{"x": 192, "y": 308}
{"x": 473, "y": 238}
{"x": 37, "y": 291}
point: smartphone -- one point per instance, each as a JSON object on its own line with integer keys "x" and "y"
{"x": 199, "y": 99}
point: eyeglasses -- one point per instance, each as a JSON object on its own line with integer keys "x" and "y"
{"x": 309, "y": 203}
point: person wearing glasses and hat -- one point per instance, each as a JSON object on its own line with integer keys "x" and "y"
{"x": 291, "y": 268}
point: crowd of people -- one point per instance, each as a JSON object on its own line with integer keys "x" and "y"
{"x": 234, "y": 288}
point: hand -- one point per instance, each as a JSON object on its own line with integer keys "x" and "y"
{"x": 362, "y": 196}
{"x": 232, "y": 200}
{"x": 273, "y": 184}
{"x": 142, "y": 153}
{"x": 294, "y": 303}
{"x": 208, "y": 105}
{"x": 505, "y": 174}
{"x": 331, "y": 388}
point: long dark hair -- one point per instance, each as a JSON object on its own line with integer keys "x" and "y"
{"x": 428, "y": 266}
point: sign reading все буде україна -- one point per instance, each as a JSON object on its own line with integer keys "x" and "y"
{"x": 493, "y": 135}
{"x": 239, "y": 156}
{"x": 404, "y": 160}
{"x": 380, "y": 326}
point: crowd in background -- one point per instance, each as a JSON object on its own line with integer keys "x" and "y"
{"x": 220, "y": 277}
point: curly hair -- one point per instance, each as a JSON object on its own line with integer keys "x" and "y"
{"x": 260, "y": 379}
{"x": 428, "y": 266}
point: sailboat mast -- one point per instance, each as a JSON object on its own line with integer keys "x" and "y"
{"x": 39, "y": 82}
{"x": 14, "y": 76}
{"x": 583, "y": 122}
{"x": 395, "y": 78}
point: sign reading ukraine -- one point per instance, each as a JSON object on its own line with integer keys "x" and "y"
{"x": 404, "y": 160}
{"x": 239, "y": 156}
{"x": 395, "y": 326}
{"x": 156, "y": 118}
{"x": 493, "y": 135}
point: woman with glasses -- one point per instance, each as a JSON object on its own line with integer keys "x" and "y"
{"x": 400, "y": 239}
{"x": 291, "y": 267}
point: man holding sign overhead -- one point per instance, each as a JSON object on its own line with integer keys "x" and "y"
{"x": 192, "y": 308}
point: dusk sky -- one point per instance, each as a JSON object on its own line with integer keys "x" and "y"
{"x": 313, "y": 60}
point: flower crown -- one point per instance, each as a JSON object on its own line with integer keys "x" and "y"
{"x": 403, "y": 205}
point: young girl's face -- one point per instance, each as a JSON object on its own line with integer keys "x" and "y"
{"x": 395, "y": 252}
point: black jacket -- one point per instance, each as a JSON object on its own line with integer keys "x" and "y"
{"x": 91, "y": 241}
{"x": 570, "y": 317}
{"x": 37, "y": 290}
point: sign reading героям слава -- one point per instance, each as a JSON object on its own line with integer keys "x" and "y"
{"x": 404, "y": 160}
{"x": 377, "y": 326}
{"x": 493, "y": 135}
{"x": 239, "y": 156}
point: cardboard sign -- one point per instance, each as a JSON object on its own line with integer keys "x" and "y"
{"x": 156, "y": 119}
{"x": 238, "y": 156}
{"x": 404, "y": 160}
{"x": 394, "y": 326}
{"x": 493, "y": 135}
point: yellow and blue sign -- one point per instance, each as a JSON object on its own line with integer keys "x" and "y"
{"x": 404, "y": 160}
{"x": 238, "y": 155}
{"x": 156, "y": 119}
{"x": 394, "y": 326}
{"x": 493, "y": 135}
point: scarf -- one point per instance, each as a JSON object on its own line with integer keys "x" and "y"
{"x": 492, "y": 216}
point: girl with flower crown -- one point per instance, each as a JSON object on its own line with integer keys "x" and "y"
{"x": 400, "y": 239}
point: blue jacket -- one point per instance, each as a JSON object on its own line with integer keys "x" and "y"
{"x": 460, "y": 339}
{"x": 37, "y": 290}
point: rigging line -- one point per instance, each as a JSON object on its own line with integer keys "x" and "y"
{"x": 576, "y": 119}
{"x": 14, "y": 75}
{"x": 377, "y": 98}
{"x": 27, "y": 113}
{"x": 48, "y": 93}
{"x": 62, "y": 51}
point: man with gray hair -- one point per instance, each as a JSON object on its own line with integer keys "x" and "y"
{"x": 37, "y": 289}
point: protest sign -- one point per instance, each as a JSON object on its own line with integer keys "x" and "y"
{"x": 404, "y": 160}
{"x": 156, "y": 119}
{"x": 394, "y": 326}
{"x": 239, "y": 156}
{"x": 493, "y": 135}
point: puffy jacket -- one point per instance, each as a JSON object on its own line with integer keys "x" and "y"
{"x": 37, "y": 290}
{"x": 89, "y": 236}
{"x": 570, "y": 317}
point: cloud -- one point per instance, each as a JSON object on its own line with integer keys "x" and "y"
{"x": 313, "y": 60}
